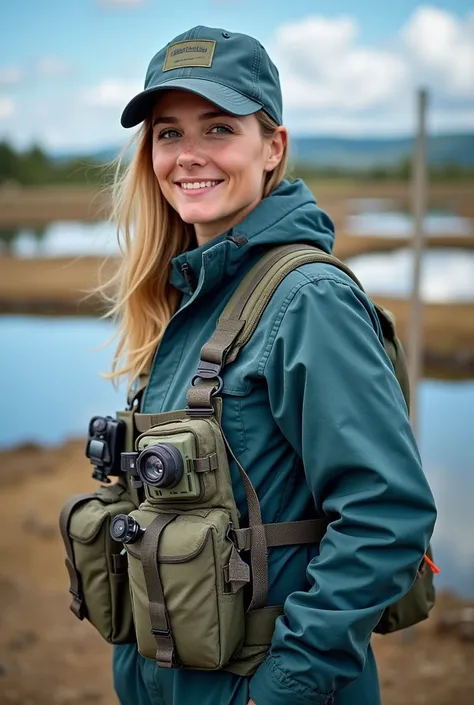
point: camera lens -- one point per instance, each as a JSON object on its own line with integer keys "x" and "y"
{"x": 160, "y": 465}
{"x": 99, "y": 425}
{"x": 96, "y": 450}
{"x": 153, "y": 469}
{"x": 124, "y": 528}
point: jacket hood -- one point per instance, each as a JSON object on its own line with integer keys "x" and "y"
{"x": 288, "y": 215}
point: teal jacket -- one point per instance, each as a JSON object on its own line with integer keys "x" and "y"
{"x": 315, "y": 415}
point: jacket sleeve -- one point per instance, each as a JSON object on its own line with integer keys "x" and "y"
{"x": 334, "y": 395}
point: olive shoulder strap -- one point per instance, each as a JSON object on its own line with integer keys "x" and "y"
{"x": 245, "y": 308}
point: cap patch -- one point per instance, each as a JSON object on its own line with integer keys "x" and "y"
{"x": 193, "y": 53}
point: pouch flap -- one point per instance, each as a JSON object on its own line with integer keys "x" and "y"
{"x": 184, "y": 538}
{"x": 87, "y": 521}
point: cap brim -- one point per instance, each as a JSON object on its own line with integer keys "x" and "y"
{"x": 226, "y": 98}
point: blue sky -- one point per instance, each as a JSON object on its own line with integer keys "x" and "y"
{"x": 68, "y": 67}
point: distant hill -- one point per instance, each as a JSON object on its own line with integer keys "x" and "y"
{"x": 356, "y": 153}
{"x": 341, "y": 152}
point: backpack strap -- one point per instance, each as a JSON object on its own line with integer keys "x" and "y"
{"x": 234, "y": 329}
{"x": 244, "y": 310}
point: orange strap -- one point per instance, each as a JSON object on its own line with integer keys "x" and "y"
{"x": 432, "y": 565}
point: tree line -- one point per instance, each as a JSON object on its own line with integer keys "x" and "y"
{"x": 34, "y": 167}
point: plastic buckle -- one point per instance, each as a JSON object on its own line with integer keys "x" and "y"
{"x": 218, "y": 388}
{"x": 78, "y": 595}
{"x": 208, "y": 370}
{"x": 229, "y": 532}
{"x": 166, "y": 633}
{"x": 207, "y": 412}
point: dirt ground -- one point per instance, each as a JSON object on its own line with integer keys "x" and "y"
{"x": 47, "y": 657}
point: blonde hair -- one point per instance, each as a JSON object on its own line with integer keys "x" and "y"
{"x": 150, "y": 233}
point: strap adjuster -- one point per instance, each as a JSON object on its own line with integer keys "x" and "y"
{"x": 165, "y": 633}
{"x": 200, "y": 411}
{"x": 208, "y": 370}
{"x": 78, "y": 595}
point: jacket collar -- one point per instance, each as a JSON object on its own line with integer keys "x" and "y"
{"x": 288, "y": 214}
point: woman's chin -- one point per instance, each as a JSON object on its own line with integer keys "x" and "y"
{"x": 198, "y": 216}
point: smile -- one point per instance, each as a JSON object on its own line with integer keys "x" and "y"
{"x": 197, "y": 185}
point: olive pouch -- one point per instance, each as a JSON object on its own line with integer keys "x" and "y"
{"x": 96, "y": 564}
{"x": 186, "y": 576}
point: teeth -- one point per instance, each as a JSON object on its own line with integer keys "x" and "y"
{"x": 198, "y": 184}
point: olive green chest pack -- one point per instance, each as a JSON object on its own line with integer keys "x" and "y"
{"x": 159, "y": 557}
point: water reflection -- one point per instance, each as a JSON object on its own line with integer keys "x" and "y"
{"x": 447, "y": 274}
{"x": 50, "y": 379}
{"x": 60, "y": 239}
{"x": 381, "y": 217}
{"x": 374, "y": 216}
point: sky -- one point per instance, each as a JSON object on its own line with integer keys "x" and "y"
{"x": 67, "y": 68}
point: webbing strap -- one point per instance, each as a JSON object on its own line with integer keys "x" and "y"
{"x": 143, "y": 422}
{"x": 259, "y": 554}
{"x": 222, "y": 339}
{"x": 199, "y": 396}
{"x": 77, "y": 605}
{"x": 257, "y": 292}
{"x": 134, "y": 394}
{"x": 160, "y": 623}
{"x": 244, "y": 310}
{"x": 207, "y": 464}
{"x": 287, "y": 533}
{"x": 236, "y": 572}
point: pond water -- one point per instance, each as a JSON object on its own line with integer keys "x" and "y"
{"x": 380, "y": 216}
{"x": 60, "y": 239}
{"x": 447, "y": 275}
{"x": 49, "y": 375}
{"x": 374, "y": 216}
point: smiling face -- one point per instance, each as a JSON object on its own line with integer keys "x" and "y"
{"x": 210, "y": 165}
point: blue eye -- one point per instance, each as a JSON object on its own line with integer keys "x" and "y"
{"x": 225, "y": 129}
{"x": 168, "y": 134}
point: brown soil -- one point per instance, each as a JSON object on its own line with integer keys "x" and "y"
{"x": 47, "y": 657}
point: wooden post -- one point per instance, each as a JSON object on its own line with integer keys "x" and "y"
{"x": 419, "y": 198}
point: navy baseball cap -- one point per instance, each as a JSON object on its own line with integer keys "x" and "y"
{"x": 231, "y": 70}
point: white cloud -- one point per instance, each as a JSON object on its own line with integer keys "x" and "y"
{"x": 111, "y": 93}
{"x": 7, "y": 108}
{"x": 442, "y": 48}
{"x": 52, "y": 66}
{"x": 321, "y": 66}
{"x": 10, "y": 75}
{"x": 333, "y": 83}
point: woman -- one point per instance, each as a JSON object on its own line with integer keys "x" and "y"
{"x": 311, "y": 408}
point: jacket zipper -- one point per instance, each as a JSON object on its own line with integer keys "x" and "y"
{"x": 188, "y": 274}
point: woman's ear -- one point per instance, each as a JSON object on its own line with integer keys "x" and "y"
{"x": 277, "y": 143}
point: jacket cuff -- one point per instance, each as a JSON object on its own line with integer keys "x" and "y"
{"x": 271, "y": 686}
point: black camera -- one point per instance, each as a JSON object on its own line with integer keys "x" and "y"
{"x": 105, "y": 443}
{"x": 159, "y": 465}
{"x": 125, "y": 528}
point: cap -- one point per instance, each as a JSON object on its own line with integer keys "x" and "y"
{"x": 231, "y": 70}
